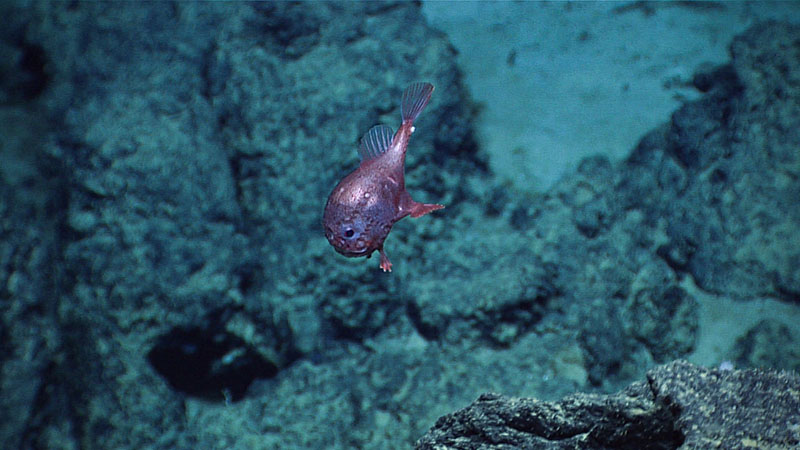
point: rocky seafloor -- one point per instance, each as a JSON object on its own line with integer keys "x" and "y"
{"x": 164, "y": 281}
{"x": 678, "y": 405}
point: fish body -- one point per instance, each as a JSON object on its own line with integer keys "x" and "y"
{"x": 363, "y": 207}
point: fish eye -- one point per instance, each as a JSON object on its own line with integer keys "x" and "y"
{"x": 350, "y": 234}
{"x": 351, "y": 231}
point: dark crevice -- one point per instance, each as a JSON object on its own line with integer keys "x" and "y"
{"x": 208, "y": 362}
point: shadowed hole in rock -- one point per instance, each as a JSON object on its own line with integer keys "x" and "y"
{"x": 210, "y": 364}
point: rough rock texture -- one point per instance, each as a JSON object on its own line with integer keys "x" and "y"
{"x": 768, "y": 344}
{"x": 29, "y": 333}
{"x": 679, "y": 406}
{"x": 713, "y": 195}
{"x": 724, "y": 174}
{"x": 164, "y": 280}
{"x": 191, "y": 149}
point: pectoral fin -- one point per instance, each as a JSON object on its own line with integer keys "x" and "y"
{"x": 420, "y": 209}
{"x": 385, "y": 264}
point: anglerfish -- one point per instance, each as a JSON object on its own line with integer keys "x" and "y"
{"x": 365, "y": 205}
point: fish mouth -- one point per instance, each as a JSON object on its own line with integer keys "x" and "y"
{"x": 353, "y": 253}
{"x": 342, "y": 248}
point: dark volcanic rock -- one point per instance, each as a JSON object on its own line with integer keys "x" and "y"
{"x": 679, "y": 406}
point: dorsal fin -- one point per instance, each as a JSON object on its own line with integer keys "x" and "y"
{"x": 375, "y": 142}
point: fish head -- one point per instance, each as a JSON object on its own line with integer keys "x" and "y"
{"x": 354, "y": 232}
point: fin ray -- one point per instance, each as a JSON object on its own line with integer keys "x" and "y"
{"x": 375, "y": 142}
{"x": 415, "y": 98}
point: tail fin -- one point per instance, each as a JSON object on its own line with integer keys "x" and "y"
{"x": 415, "y": 97}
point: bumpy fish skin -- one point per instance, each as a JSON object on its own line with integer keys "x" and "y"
{"x": 363, "y": 207}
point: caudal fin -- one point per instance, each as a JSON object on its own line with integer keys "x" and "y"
{"x": 415, "y": 97}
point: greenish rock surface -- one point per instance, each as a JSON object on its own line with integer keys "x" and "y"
{"x": 165, "y": 282}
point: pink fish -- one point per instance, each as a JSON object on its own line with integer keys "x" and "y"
{"x": 363, "y": 207}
